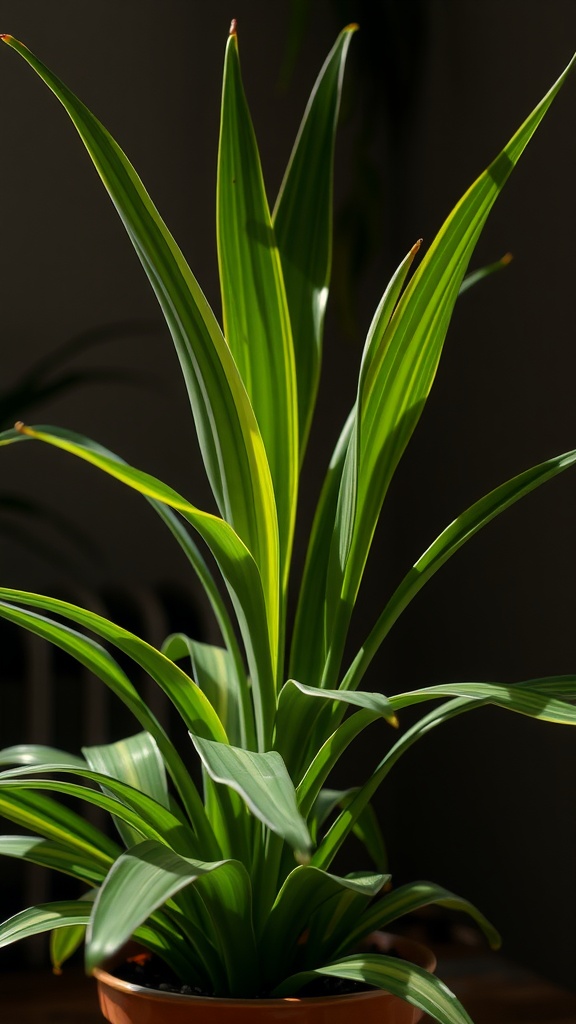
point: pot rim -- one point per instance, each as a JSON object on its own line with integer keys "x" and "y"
{"x": 419, "y": 954}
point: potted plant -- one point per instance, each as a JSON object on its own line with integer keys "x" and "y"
{"x": 232, "y": 882}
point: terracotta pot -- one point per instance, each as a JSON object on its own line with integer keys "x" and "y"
{"x": 123, "y": 1003}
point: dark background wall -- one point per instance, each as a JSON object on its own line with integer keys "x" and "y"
{"x": 485, "y": 806}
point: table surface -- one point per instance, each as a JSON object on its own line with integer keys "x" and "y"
{"x": 492, "y": 990}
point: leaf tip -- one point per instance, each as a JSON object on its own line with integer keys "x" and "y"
{"x": 21, "y": 428}
{"x": 393, "y": 721}
{"x": 416, "y": 247}
{"x": 506, "y": 259}
{"x": 352, "y": 27}
{"x": 233, "y": 27}
{"x": 5, "y": 37}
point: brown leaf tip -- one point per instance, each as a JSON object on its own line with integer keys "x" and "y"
{"x": 416, "y": 247}
{"x": 20, "y": 427}
{"x": 234, "y": 27}
{"x": 5, "y": 37}
{"x": 506, "y": 259}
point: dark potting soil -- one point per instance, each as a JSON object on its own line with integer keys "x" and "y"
{"x": 151, "y": 972}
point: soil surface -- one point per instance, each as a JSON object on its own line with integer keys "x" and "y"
{"x": 151, "y": 972}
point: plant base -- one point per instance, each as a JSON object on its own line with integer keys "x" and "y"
{"x": 123, "y": 1003}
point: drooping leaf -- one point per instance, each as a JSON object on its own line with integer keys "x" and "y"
{"x": 259, "y": 627}
{"x": 265, "y": 786}
{"x": 136, "y": 761}
{"x": 176, "y": 684}
{"x": 149, "y": 818}
{"x": 144, "y": 879}
{"x": 402, "y": 979}
{"x": 304, "y": 892}
{"x": 49, "y": 854}
{"x": 43, "y": 918}
{"x": 35, "y": 753}
{"x": 451, "y": 540}
{"x": 54, "y": 821}
{"x": 299, "y": 708}
{"x": 408, "y": 898}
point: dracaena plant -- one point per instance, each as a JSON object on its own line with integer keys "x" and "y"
{"x": 233, "y": 883}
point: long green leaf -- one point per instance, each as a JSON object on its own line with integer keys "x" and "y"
{"x": 54, "y": 821}
{"x": 401, "y": 374}
{"x": 229, "y": 438}
{"x": 254, "y": 307}
{"x": 341, "y": 828}
{"x": 332, "y": 528}
{"x": 52, "y": 855}
{"x": 176, "y": 684}
{"x": 299, "y": 707}
{"x": 149, "y": 818}
{"x": 511, "y": 697}
{"x": 310, "y": 641}
{"x": 43, "y": 918}
{"x": 451, "y": 540}
{"x": 136, "y": 761}
{"x": 304, "y": 891}
{"x": 143, "y": 880}
{"x": 265, "y": 786}
{"x": 238, "y": 568}
{"x": 35, "y": 753}
{"x": 405, "y": 900}
{"x": 215, "y": 672}
{"x": 303, "y": 226}
{"x": 367, "y": 828}
{"x": 402, "y": 979}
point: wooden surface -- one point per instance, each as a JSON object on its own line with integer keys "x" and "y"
{"x": 492, "y": 991}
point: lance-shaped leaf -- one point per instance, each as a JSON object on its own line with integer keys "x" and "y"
{"x": 144, "y": 879}
{"x": 531, "y": 701}
{"x": 215, "y": 672}
{"x": 87, "y": 652}
{"x": 35, "y": 920}
{"x": 303, "y": 226}
{"x": 36, "y": 753}
{"x": 136, "y": 761}
{"x": 238, "y": 568}
{"x": 305, "y": 890}
{"x": 265, "y": 786}
{"x": 65, "y": 941}
{"x": 402, "y": 979}
{"x": 402, "y": 372}
{"x": 53, "y": 855}
{"x": 54, "y": 821}
{"x": 333, "y": 524}
{"x": 149, "y": 818}
{"x": 408, "y": 898}
{"x": 229, "y": 437}
{"x": 299, "y": 708}
{"x": 367, "y": 828}
{"x": 451, "y": 540}
{"x": 256, "y": 320}
{"x": 341, "y": 828}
